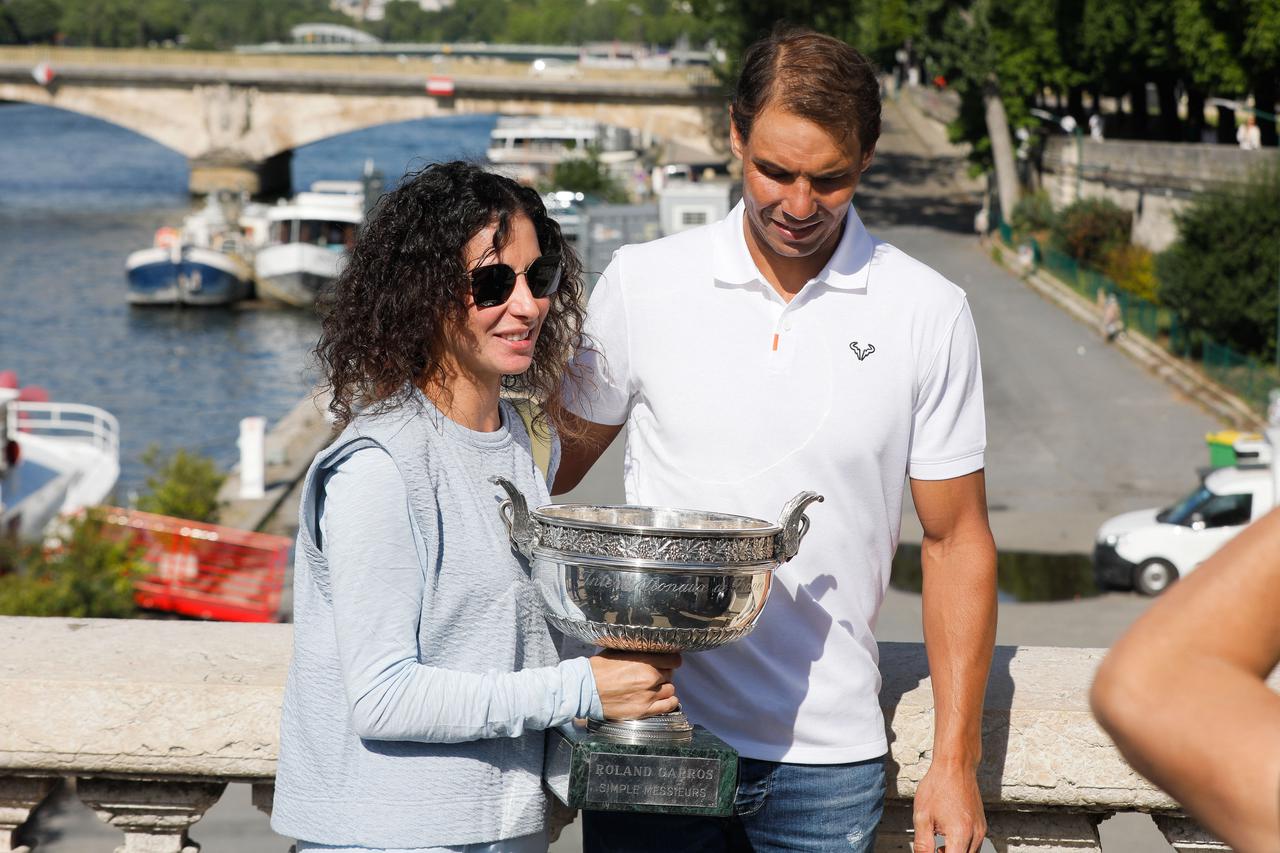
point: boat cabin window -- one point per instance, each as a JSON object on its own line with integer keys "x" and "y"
{"x": 316, "y": 232}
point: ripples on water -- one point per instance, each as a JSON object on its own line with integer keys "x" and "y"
{"x": 76, "y": 197}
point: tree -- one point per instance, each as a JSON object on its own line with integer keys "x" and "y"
{"x": 29, "y": 21}
{"x": 181, "y": 484}
{"x": 1203, "y": 29}
{"x": 586, "y": 175}
{"x": 102, "y": 23}
{"x": 86, "y": 573}
{"x": 1221, "y": 274}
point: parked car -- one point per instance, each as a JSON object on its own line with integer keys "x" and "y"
{"x": 1149, "y": 549}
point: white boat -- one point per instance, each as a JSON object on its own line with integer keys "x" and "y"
{"x": 307, "y": 241}
{"x": 57, "y": 458}
{"x": 203, "y": 263}
{"x": 529, "y": 147}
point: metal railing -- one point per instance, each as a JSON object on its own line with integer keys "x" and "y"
{"x": 1246, "y": 376}
{"x": 74, "y": 421}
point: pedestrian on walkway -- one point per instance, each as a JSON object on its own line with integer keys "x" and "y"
{"x": 784, "y": 348}
{"x": 1112, "y": 319}
{"x": 1249, "y": 135}
{"x": 423, "y": 674}
{"x": 1096, "y": 127}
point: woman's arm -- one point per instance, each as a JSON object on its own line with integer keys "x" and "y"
{"x": 375, "y": 555}
{"x": 1184, "y": 695}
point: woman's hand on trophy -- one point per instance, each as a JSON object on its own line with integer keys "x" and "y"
{"x": 635, "y": 684}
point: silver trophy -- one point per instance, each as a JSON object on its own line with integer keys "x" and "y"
{"x": 652, "y": 579}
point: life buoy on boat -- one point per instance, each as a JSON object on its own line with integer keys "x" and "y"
{"x": 166, "y": 237}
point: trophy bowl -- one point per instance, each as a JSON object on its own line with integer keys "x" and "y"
{"x": 652, "y": 579}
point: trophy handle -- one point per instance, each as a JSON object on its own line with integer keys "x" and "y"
{"x": 515, "y": 515}
{"x": 794, "y": 524}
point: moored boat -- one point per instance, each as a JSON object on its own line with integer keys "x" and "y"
{"x": 54, "y": 458}
{"x": 528, "y": 147}
{"x": 307, "y": 242}
{"x": 203, "y": 263}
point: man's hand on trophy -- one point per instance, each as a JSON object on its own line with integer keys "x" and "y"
{"x": 635, "y": 684}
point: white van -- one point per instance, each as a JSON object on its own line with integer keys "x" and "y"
{"x": 1149, "y": 549}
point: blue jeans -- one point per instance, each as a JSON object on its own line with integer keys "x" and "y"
{"x": 811, "y": 807}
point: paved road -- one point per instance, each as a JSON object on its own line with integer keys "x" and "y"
{"x": 1076, "y": 433}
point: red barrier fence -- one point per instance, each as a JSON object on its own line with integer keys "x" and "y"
{"x": 205, "y": 570}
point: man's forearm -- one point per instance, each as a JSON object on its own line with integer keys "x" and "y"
{"x": 959, "y": 604}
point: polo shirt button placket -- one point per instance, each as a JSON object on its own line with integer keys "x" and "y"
{"x": 783, "y": 346}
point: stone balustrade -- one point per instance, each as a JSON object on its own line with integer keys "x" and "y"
{"x": 154, "y": 718}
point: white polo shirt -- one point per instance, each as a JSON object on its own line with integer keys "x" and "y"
{"x": 735, "y": 401}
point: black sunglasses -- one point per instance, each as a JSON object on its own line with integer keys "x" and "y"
{"x": 492, "y": 284}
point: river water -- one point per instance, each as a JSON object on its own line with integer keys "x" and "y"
{"x": 77, "y": 195}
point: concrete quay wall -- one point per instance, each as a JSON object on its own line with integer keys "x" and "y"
{"x": 1154, "y": 180}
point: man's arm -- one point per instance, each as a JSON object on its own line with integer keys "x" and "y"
{"x": 1184, "y": 692}
{"x": 581, "y": 444}
{"x": 959, "y": 604}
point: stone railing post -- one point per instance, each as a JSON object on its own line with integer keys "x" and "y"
{"x": 154, "y": 815}
{"x": 1185, "y": 835}
{"x": 264, "y": 794}
{"x": 1044, "y": 832}
{"x": 19, "y": 796}
{"x": 1009, "y": 831}
{"x": 894, "y": 834}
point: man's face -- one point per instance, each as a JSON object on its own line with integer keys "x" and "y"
{"x": 798, "y": 182}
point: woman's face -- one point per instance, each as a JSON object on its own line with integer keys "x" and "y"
{"x": 499, "y": 341}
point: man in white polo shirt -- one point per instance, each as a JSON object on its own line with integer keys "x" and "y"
{"x": 784, "y": 349}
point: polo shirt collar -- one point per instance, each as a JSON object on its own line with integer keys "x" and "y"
{"x": 848, "y": 269}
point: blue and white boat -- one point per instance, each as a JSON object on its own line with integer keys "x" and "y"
{"x": 203, "y": 263}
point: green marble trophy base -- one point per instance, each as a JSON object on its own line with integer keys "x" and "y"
{"x": 592, "y": 772}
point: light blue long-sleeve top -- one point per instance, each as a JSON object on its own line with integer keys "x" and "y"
{"x": 423, "y": 671}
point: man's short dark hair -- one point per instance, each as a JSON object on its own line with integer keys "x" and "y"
{"x": 811, "y": 75}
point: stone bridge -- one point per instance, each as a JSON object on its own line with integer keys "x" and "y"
{"x": 238, "y": 118}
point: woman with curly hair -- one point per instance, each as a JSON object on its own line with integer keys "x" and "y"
{"x": 423, "y": 673}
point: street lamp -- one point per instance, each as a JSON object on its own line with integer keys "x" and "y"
{"x": 1071, "y": 126}
{"x": 1239, "y": 107}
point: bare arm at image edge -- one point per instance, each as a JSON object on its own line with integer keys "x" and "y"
{"x": 1184, "y": 693}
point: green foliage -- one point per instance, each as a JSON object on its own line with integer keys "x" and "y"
{"x": 181, "y": 484}
{"x": 586, "y": 175}
{"x": 1133, "y": 269}
{"x": 221, "y": 24}
{"x": 1090, "y": 228}
{"x": 87, "y": 573}
{"x": 1033, "y": 213}
{"x": 1221, "y": 274}
{"x": 29, "y": 21}
{"x": 662, "y": 22}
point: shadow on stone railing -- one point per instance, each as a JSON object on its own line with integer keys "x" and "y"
{"x": 154, "y": 718}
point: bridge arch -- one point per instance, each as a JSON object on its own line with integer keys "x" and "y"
{"x": 238, "y": 127}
